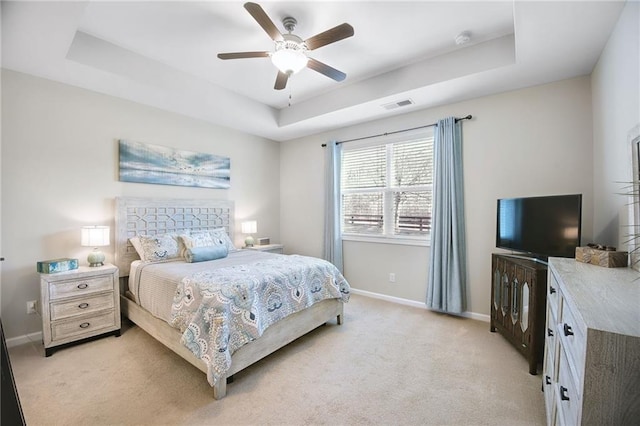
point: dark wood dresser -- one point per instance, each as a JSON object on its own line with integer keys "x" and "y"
{"x": 518, "y": 304}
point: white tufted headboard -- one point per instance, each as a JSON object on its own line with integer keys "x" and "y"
{"x": 154, "y": 216}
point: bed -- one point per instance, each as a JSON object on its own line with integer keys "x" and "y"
{"x": 219, "y": 328}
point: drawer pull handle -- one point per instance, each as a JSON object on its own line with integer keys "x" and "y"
{"x": 549, "y": 332}
{"x": 83, "y": 286}
{"x": 567, "y": 330}
{"x": 83, "y": 305}
{"x": 552, "y": 290}
{"x": 563, "y": 394}
{"x": 547, "y": 380}
{"x": 84, "y": 325}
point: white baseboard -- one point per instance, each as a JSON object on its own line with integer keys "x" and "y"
{"x": 26, "y": 338}
{"x": 421, "y": 305}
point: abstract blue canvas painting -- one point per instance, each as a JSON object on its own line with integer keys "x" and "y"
{"x": 146, "y": 163}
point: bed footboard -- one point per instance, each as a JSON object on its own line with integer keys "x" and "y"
{"x": 274, "y": 337}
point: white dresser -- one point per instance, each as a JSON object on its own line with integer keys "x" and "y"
{"x": 79, "y": 304}
{"x": 591, "y": 372}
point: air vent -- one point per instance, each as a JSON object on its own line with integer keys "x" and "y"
{"x": 394, "y": 105}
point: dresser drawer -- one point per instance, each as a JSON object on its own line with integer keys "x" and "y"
{"x": 569, "y": 330}
{"x": 62, "y": 289}
{"x": 567, "y": 398}
{"x": 553, "y": 294}
{"x": 549, "y": 379}
{"x": 85, "y": 325}
{"x": 85, "y": 305}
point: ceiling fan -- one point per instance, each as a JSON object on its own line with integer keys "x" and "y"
{"x": 290, "y": 53}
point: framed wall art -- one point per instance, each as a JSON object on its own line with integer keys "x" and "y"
{"x": 146, "y": 163}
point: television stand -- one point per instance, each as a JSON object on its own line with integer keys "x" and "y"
{"x": 518, "y": 300}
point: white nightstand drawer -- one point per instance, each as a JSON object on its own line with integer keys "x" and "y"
{"x": 82, "y": 326}
{"x": 66, "y": 309}
{"x": 78, "y": 287}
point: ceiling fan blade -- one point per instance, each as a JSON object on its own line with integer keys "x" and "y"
{"x": 330, "y": 36}
{"x": 281, "y": 80}
{"x": 326, "y": 70}
{"x": 264, "y": 21}
{"x": 242, "y": 55}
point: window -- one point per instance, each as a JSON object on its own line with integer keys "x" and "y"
{"x": 386, "y": 189}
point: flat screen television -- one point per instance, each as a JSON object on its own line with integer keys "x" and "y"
{"x": 541, "y": 227}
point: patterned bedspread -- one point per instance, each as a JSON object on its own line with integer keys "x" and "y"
{"x": 220, "y": 310}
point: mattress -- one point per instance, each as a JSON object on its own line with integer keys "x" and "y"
{"x": 153, "y": 285}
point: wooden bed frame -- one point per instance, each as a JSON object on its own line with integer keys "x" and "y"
{"x": 145, "y": 216}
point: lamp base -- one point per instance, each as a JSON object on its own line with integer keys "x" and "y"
{"x": 249, "y": 241}
{"x": 96, "y": 258}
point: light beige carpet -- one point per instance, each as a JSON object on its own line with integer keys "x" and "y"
{"x": 387, "y": 364}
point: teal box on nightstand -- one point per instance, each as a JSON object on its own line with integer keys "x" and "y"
{"x": 57, "y": 265}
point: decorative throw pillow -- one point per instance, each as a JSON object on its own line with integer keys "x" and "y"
{"x": 196, "y": 239}
{"x": 221, "y": 234}
{"x": 202, "y": 254}
{"x": 158, "y": 247}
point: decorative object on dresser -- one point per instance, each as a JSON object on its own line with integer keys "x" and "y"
{"x": 271, "y": 248}
{"x": 79, "y": 304}
{"x": 599, "y": 255}
{"x": 264, "y": 241}
{"x": 95, "y": 236}
{"x": 56, "y": 265}
{"x": 249, "y": 227}
{"x": 518, "y": 304}
{"x": 592, "y": 361}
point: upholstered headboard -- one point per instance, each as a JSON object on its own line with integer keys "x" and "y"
{"x": 155, "y": 216}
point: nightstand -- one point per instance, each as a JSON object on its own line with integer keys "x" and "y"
{"x": 79, "y": 304}
{"x": 271, "y": 248}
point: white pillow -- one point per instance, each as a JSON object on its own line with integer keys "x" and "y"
{"x": 154, "y": 248}
{"x": 221, "y": 233}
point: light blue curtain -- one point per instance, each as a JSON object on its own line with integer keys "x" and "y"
{"x": 447, "y": 268}
{"x": 332, "y": 232}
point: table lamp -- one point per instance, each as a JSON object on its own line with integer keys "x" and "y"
{"x": 249, "y": 227}
{"x": 95, "y": 236}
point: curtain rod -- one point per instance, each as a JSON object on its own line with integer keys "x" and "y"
{"x": 468, "y": 117}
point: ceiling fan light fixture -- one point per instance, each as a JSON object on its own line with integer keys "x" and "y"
{"x": 290, "y": 56}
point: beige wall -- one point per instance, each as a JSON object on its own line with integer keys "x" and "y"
{"x": 615, "y": 84}
{"x": 60, "y": 171}
{"x": 535, "y": 141}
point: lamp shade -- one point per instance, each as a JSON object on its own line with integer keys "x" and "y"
{"x": 94, "y": 236}
{"x": 289, "y": 61}
{"x": 249, "y": 227}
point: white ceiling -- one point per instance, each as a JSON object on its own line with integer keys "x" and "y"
{"x": 163, "y": 54}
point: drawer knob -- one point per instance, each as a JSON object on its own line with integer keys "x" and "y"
{"x": 83, "y": 286}
{"x": 83, "y": 305}
{"x": 547, "y": 380}
{"x": 567, "y": 330}
{"x": 549, "y": 332}
{"x": 563, "y": 393}
{"x": 84, "y": 325}
{"x": 552, "y": 290}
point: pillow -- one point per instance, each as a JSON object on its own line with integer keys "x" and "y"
{"x": 137, "y": 244}
{"x": 157, "y": 247}
{"x": 221, "y": 234}
{"x": 197, "y": 239}
{"x": 202, "y": 254}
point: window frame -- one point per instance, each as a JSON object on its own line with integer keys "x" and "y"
{"x": 387, "y": 236}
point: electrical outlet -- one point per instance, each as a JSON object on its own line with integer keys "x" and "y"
{"x": 31, "y": 306}
{"x": 392, "y": 277}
